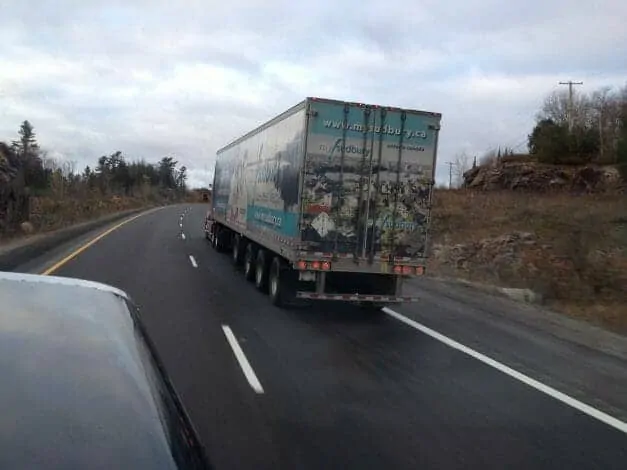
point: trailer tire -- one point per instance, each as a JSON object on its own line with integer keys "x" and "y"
{"x": 261, "y": 271}
{"x": 281, "y": 290}
{"x": 236, "y": 250}
{"x": 249, "y": 262}
{"x": 215, "y": 238}
{"x": 220, "y": 237}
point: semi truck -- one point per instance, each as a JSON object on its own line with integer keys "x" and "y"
{"x": 330, "y": 200}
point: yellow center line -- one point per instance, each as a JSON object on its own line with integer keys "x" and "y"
{"x": 79, "y": 250}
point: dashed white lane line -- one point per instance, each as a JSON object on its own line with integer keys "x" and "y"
{"x": 183, "y": 236}
{"x": 553, "y": 393}
{"x": 249, "y": 373}
{"x": 193, "y": 261}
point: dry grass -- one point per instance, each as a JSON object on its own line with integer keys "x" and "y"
{"x": 577, "y": 258}
{"x": 48, "y": 214}
{"x": 52, "y": 213}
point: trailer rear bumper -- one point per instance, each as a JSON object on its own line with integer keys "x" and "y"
{"x": 356, "y": 297}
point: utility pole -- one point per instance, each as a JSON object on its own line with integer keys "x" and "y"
{"x": 570, "y": 84}
{"x": 450, "y": 174}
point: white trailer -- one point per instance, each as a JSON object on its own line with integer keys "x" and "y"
{"x": 328, "y": 201}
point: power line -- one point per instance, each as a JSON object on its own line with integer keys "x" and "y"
{"x": 570, "y": 84}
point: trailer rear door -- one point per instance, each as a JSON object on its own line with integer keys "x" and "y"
{"x": 368, "y": 180}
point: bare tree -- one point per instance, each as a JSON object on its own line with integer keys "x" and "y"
{"x": 606, "y": 110}
{"x": 555, "y": 107}
{"x": 48, "y": 163}
{"x": 68, "y": 168}
{"x": 461, "y": 165}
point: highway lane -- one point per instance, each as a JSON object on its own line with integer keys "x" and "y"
{"x": 343, "y": 389}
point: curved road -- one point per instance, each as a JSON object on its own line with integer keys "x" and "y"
{"x": 332, "y": 387}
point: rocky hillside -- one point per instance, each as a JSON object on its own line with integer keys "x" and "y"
{"x": 570, "y": 249}
{"x": 529, "y": 175}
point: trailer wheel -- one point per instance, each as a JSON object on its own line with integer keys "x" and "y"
{"x": 236, "y": 250}
{"x": 249, "y": 262}
{"x": 215, "y": 239}
{"x": 221, "y": 237}
{"x": 279, "y": 285}
{"x": 261, "y": 271}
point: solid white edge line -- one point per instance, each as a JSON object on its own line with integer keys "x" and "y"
{"x": 249, "y": 373}
{"x": 556, "y": 394}
{"x": 193, "y": 261}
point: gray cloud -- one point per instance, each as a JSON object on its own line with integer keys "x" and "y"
{"x": 154, "y": 77}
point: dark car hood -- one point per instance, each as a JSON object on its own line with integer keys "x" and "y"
{"x": 79, "y": 388}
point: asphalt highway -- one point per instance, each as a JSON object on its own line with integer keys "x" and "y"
{"x": 458, "y": 380}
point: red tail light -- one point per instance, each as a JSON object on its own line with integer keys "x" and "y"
{"x": 301, "y": 265}
{"x": 315, "y": 265}
{"x": 326, "y": 266}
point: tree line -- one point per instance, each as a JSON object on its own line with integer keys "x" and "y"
{"x": 23, "y": 165}
{"x": 26, "y": 171}
{"x": 590, "y": 128}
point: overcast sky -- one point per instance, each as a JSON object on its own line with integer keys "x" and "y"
{"x": 185, "y": 77}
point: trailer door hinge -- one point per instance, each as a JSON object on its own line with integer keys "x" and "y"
{"x": 312, "y": 112}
